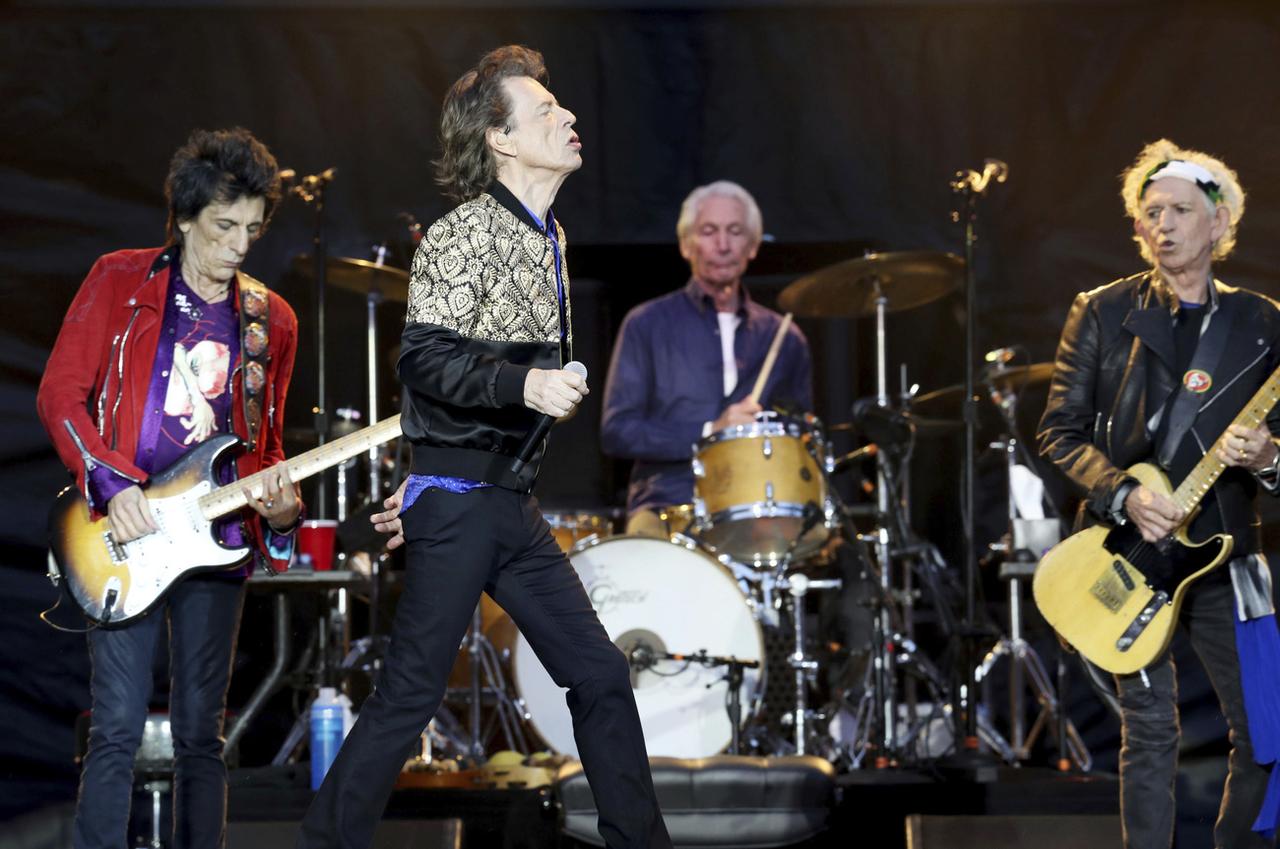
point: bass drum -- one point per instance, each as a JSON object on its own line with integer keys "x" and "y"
{"x": 660, "y": 596}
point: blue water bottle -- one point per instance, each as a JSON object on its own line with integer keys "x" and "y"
{"x": 327, "y": 719}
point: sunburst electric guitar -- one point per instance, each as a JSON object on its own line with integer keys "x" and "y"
{"x": 115, "y": 583}
{"x": 1115, "y": 597}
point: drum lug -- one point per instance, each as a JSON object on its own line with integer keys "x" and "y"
{"x": 767, "y": 448}
{"x": 699, "y": 471}
{"x": 768, "y": 492}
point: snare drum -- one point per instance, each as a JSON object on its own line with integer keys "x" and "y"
{"x": 573, "y": 529}
{"x": 757, "y": 486}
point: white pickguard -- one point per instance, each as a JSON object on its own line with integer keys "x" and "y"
{"x": 185, "y": 541}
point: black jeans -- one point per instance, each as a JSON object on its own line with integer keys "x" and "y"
{"x": 1149, "y": 742}
{"x": 489, "y": 540}
{"x": 203, "y": 616}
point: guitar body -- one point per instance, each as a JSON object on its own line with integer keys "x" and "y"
{"x": 115, "y": 584}
{"x": 1114, "y": 597}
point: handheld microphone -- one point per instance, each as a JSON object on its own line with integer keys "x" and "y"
{"x": 543, "y": 426}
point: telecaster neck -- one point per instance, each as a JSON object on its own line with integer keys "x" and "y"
{"x": 229, "y": 498}
{"x": 1197, "y": 484}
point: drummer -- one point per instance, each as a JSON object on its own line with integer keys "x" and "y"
{"x": 684, "y": 363}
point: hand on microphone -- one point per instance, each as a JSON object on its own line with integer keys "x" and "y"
{"x": 554, "y": 392}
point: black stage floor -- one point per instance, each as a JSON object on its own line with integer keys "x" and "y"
{"x": 872, "y": 809}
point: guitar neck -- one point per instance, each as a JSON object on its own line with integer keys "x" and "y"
{"x": 229, "y": 498}
{"x": 1202, "y": 477}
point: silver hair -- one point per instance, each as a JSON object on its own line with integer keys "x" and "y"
{"x": 724, "y": 189}
{"x": 1159, "y": 152}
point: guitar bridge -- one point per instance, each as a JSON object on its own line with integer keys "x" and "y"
{"x": 1113, "y": 587}
{"x": 1141, "y": 621}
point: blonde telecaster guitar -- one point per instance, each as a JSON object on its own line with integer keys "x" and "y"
{"x": 1094, "y": 587}
{"x": 115, "y": 583}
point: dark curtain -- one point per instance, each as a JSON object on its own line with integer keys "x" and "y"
{"x": 845, "y": 121}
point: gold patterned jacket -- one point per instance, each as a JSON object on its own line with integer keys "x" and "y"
{"x": 483, "y": 310}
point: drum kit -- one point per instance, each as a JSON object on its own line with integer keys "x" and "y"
{"x": 716, "y": 617}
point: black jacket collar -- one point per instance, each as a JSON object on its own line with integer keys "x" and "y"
{"x": 512, "y": 204}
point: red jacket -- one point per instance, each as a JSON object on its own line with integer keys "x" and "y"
{"x": 95, "y": 385}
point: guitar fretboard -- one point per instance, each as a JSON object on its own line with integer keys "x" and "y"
{"x": 229, "y": 498}
{"x": 1197, "y": 484}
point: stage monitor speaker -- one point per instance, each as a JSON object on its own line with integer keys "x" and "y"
{"x": 390, "y": 834}
{"x": 1013, "y": 832}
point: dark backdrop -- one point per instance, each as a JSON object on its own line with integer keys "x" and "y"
{"x": 846, "y": 120}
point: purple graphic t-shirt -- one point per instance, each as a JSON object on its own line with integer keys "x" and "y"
{"x": 190, "y": 395}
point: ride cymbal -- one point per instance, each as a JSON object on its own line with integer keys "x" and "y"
{"x": 850, "y": 289}
{"x": 359, "y": 275}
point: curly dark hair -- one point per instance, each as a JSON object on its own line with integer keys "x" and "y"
{"x": 222, "y": 166}
{"x": 475, "y": 103}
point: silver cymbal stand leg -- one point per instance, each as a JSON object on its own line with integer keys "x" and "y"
{"x": 372, "y": 299}
{"x": 805, "y": 667}
{"x": 473, "y": 650}
{"x": 883, "y": 657}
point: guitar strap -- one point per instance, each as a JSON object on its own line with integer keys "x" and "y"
{"x": 1196, "y": 381}
{"x": 254, "y": 353}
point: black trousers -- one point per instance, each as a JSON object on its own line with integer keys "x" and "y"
{"x": 1150, "y": 732}
{"x": 202, "y": 615}
{"x": 489, "y": 540}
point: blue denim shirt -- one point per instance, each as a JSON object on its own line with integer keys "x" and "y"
{"x": 666, "y": 381}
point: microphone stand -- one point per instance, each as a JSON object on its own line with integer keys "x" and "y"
{"x": 970, "y": 185}
{"x": 311, "y": 190}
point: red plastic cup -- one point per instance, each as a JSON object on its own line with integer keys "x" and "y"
{"x": 316, "y": 540}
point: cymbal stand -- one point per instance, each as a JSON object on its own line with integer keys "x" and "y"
{"x": 486, "y": 677}
{"x": 883, "y": 660}
{"x": 372, "y": 299}
{"x": 1026, "y": 669}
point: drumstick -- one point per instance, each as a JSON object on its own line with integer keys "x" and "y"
{"x": 769, "y": 358}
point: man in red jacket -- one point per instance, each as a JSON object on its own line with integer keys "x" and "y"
{"x": 161, "y": 349}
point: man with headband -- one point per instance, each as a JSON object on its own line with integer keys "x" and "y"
{"x": 1154, "y": 368}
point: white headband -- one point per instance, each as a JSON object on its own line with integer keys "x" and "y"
{"x": 1183, "y": 170}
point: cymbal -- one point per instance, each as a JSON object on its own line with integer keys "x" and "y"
{"x": 849, "y": 289}
{"x": 359, "y": 275}
{"x": 1002, "y": 377}
{"x": 923, "y": 426}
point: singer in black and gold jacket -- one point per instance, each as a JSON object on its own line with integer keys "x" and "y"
{"x": 485, "y": 338}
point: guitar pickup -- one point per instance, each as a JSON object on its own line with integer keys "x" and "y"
{"x": 114, "y": 549}
{"x": 1141, "y": 621}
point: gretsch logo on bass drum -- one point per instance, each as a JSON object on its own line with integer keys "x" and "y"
{"x": 605, "y": 597}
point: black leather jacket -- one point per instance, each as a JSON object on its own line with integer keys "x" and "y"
{"x": 1115, "y": 369}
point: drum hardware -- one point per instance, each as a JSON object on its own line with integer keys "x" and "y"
{"x": 1018, "y": 554}
{"x": 873, "y": 285}
{"x": 805, "y": 667}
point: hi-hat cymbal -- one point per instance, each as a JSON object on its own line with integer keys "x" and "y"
{"x": 359, "y": 275}
{"x": 1002, "y": 377}
{"x": 850, "y": 289}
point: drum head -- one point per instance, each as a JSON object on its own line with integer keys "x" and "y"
{"x": 668, "y": 598}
